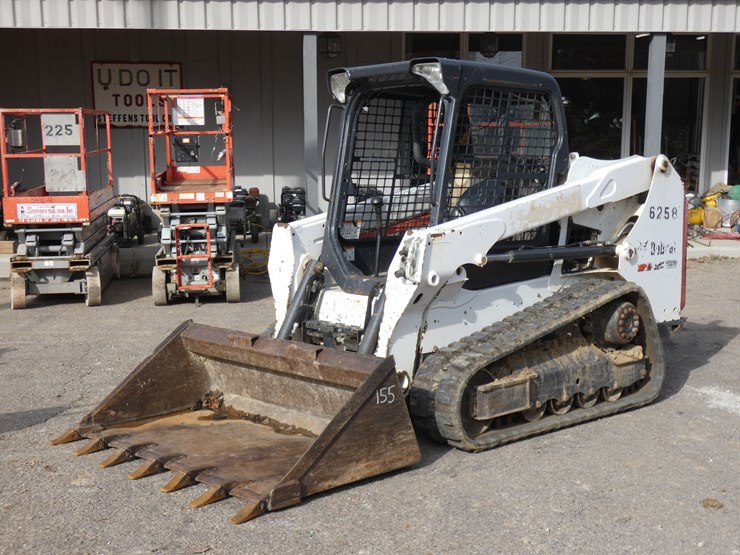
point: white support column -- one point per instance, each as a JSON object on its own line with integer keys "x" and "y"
{"x": 718, "y": 113}
{"x": 311, "y": 123}
{"x": 654, "y": 103}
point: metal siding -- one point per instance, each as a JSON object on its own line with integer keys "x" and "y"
{"x": 378, "y": 15}
{"x": 298, "y": 15}
{"x": 138, "y": 15}
{"x": 452, "y": 15}
{"x": 375, "y": 17}
{"x": 501, "y": 16}
{"x": 625, "y": 16}
{"x": 324, "y": 16}
{"x": 246, "y": 16}
{"x": 172, "y": 18}
{"x": 571, "y": 16}
{"x": 28, "y": 13}
{"x": 477, "y": 15}
{"x": 55, "y": 14}
{"x": 426, "y": 16}
{"x": 218, "y": 15}
{"x": 192, "y": 15}
{"x": 84, "y": 15}
{"x": 651, "y": 16}
{"x": 349, "y": 15}
{"x": 720, "y": 14}
{"x": 7, "y": 19}
{"x": 527, "y": 15}
{"x": 601, "y": 18}
{"x": 110, "y": 13}
{"x": 699, "y": 19}
{"x": 553, "y": 17}
{"x": 401, "y": 14}
{"x": 271, "y": 15}
{"x": 676, "y": 17}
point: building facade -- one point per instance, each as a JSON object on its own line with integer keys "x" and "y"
{"x": 273, "y": 57}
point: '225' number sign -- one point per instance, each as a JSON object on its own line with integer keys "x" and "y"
{"x": 60, "y": 129}
{"x": 663, "y": 213}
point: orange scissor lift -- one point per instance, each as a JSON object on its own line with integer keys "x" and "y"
{"x": 194, "y": 198}
{"x": 58, "y": 186}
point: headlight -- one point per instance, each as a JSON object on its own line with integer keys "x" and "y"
{"x": 432, "y": 72}
{"x": 339, "y": 83}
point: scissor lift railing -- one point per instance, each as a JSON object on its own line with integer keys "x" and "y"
{"x": 188, "y": 184}
{"x": 40, "y": 203}
{"x": 57, "y": 174}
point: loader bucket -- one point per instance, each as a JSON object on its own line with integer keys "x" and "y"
{"x": 259, "y": 419}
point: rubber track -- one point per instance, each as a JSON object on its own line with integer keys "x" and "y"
{"x": 441, "y": 379}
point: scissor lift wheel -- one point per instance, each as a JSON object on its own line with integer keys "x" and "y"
{"x": 94, "y": 295}
{"x": 159, "y": 287}
{"x": 233, "y": 285}
{"x": 17, "y": 291}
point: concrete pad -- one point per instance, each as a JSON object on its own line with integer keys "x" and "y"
{"x": 5, "y": 266}
{"x": 138, "y": 260}
{"x": 703, "y": 248}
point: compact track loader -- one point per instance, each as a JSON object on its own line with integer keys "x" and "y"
{"x": 468, "y": 269}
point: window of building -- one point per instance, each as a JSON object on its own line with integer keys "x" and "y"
{"x": 733, "y": 168}
{"x": 495, "y": 48}
{"x": 683, "y": 52}
{"x": 578, "y": 52}
{"x": 734, "y": 158}
{"x": 680, "y": 140}
{"x": 595, "y": 76}
{"x": 593, "y": 110}
{"x": 422, "y": 45}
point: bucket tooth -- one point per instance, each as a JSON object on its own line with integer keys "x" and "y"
{"x": 92, "y": 446}
{"x": 146, "y": 469}
{"x": 213, "y": 494}
{"x": 118, "y": 457}
{"x": 179, "y": 480}
{"x": 251, "y": 510}
{"x": 67, "y": 437}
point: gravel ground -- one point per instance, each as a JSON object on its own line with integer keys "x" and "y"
{"x": 665, "y": 478}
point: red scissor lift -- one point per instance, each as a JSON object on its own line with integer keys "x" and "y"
{"x": 58, "y": 186}
{"x": 195, "y": 199}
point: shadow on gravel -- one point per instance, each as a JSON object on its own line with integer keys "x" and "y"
{"x": 690, "y": 349}
{"x": 3, "y": 351}
{"x": 124, "y": 290}
{"x": 14, "y": 421}
{"x": 127, "y": 289}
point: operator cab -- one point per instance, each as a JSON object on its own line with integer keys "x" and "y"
{"x": 428, "y": 141}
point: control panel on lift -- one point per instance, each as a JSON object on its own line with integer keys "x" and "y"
{"x": 186, "y": 148}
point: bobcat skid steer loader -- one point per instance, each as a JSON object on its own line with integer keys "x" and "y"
{"x": 469, "y": 271}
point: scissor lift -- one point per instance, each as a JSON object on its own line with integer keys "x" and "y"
{"x": 195, "y": 199}
{"x": 58, "y": 186}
